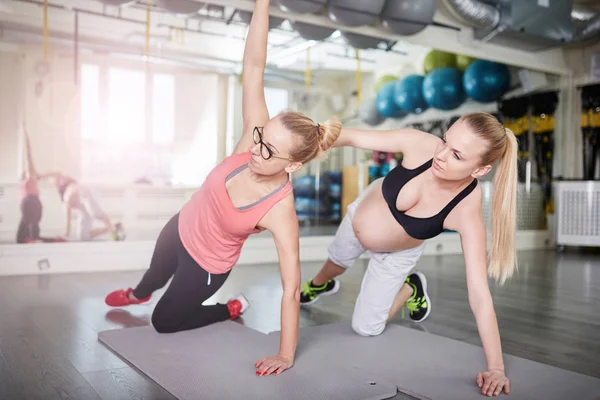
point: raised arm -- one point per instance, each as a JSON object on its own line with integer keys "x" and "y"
{"x": 254, "y": 106}
{"x": 31, "y": 171}
{"x": 282, "y": 222}
{"x": 390, "y": 141}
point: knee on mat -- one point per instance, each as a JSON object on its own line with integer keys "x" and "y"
{"x": 162, "y": 324}
{"x": 365, "y": 330}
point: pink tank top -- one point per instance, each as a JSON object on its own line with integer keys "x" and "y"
{"x": 211, "y": 228}
{"x": 29, "y": 187}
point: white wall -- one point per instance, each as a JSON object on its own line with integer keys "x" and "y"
{"x": 10, "y": 67}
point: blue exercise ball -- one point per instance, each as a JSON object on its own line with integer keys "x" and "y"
{"x": 485, "y": 81}
{"x": 386, "y": 104}
{"x": 408, "y": 94}
{"x": 443, "y": 89}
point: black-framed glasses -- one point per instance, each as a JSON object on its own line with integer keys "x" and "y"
{"x": 265, "y": 152}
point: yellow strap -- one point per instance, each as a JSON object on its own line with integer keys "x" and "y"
{"x": 358, "y": 76}
{"x": 45, "y": 30}
{"x": 307, "y": 71}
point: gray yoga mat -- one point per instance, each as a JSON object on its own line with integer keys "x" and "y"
{"x": 217, "y": 362}
{"x": 332, "y": 362}
{"x": 432, "y": 367}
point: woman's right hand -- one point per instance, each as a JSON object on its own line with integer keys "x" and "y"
{"x": 273, "y": 365}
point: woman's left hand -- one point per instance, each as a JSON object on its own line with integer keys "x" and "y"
{"x": 273, "y": 365}
{"x": 492, "y": 382}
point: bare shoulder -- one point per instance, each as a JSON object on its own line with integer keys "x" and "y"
{"x": 282, "y": 216}
{"x": 419, "y": 149}
{"x": 467, "y": 216}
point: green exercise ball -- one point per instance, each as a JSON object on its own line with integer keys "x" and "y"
{"x": 438, "y": 59}
{"x": 462, "y": 62}
{"x": 383, "y": 80}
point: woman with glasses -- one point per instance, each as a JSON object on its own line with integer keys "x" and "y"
{"x": 248, "y": 192}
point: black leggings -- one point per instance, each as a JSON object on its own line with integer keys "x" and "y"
{"x": 180, "y": 308}
{"x": 31, "y": 215}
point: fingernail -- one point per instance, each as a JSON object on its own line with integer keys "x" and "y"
{"x": 257, "y": 373}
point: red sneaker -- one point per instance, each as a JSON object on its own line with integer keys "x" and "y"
{"x": 237, "y": 306}
{"x": 120, "y": 298}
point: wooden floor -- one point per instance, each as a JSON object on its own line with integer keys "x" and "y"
{"x": 549, "y": 313}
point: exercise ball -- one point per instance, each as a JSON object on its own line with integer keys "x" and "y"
{"x": 311, "y": 32}
{"x": 246, "y": 17}
{"x": 386, "y": 104}
{"x": 408, "y": 94}
{"x": 438, "y": 59}
{"x": 485, "y": 81}
{"x": 462, "y": 62}
{"x": 355, "y": 12}
{"x": 301, "y": 6}
{"x": 367, "y": 112}
{"x": 383, "y": 80}
{"x": 443, "y": 89}
{"x": 180, "y": 7}
{"x": 407, "y": 17}
{"x": 361, "y": 41}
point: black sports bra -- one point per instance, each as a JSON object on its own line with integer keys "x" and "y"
{"x": 418, "y": 228}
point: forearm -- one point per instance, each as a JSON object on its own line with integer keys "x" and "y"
{"x": 290, "y": 314}
{"x": 487, "y": 325}
{"x": 255, "y": 52}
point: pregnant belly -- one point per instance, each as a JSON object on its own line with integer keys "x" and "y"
{"x": 376, "y": 228}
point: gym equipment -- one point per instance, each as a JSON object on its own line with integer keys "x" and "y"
{"x": 361, "y": 41}
{"x": 462, "y": 61}
{"x": 386, "y": 104}
{"x": 485, "y": 81}
{"x": 332, "y": 362}
{"x": 246, "y": 17}
{"x": 590, "y": 128}
{"x": 311, "y": 32}
{"x": 408, "y": 94}
{"x": 443, "y": 89}
{"x": 369, "y": 114}
{"x": 407, "y": 17}
{"x": 515, "y": 112}
{"x": 436, "y": 59}
{"x": 355, "y": 12}
{"x": 382, "y": 80}
{"x": 301, "y": 6}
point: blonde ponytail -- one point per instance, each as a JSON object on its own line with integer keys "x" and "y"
{"x": 502, "y": 258}
{"x": 502, "y": 148}
{"x": 329, "y": 132}
{"x": 313, "y": 139}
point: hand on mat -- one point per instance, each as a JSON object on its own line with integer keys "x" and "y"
{"x": 273, "y": 365}
{"x": 492, "y": 382}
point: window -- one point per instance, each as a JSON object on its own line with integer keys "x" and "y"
{"x": 128, "y": 125}
{"x": 276, "y": 99}
{"x": 126, "y": 120}
{"x": 90, "y": 102}
{"x": 163, "y": 109}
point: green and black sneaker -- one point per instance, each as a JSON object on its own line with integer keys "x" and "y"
{"x": 310, "y": 293}
{"x": 418, "y": 304}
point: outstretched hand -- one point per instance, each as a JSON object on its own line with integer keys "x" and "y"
{"x": 493, "y": 382}
{"x": 273, "y": 365}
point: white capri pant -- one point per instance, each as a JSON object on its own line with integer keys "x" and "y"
{"x": 386, "y": 273}
{"x": 89, "y": 209}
